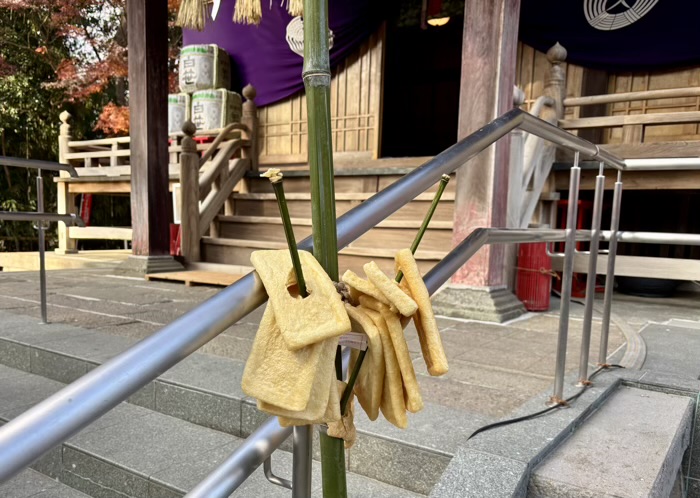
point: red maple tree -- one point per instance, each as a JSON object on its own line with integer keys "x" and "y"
{"x": 95, "y": 33}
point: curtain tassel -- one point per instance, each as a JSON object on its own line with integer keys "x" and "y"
{"x": 192, "y": 14}
{"x": 247, "y": 12}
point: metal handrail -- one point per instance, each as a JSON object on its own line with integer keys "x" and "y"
{"x": 230, "y": 474}
{"x": 37, "y": 164}
{"x": 63, "y": 414}
{"x": 663, "y": 164}
{"x": 39, "y": 217}
{"x": 68, "y": 219}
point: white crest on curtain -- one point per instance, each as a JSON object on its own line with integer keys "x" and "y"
{"x": 608, "y": 15}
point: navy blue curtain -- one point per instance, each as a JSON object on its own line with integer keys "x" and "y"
{"x": 616, "y": 35}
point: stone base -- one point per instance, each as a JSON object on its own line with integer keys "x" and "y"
{"x": 143, "y": 265}
{"x": 63, "y": 252}
{"x": 478, "y": 303}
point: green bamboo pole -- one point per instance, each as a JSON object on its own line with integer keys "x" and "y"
{"x": 317, "y": 82}
{"x": 276, "y": 179}
{"x": 414, "y": 246}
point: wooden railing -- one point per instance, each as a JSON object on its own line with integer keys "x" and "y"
{"x": 634, "y": 143}
{"x": 208, "y": 181}
{"x": 537, "y": 191}
{"x": 533, "y": 157}
{"x": 106, "y": 161}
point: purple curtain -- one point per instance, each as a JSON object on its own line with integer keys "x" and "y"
{"x": 260, "y": 55}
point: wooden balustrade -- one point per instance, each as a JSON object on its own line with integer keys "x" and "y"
{"x": 218, "y": 171}
{"x": 538, "y": 155}
{"x": 103, "y": 167}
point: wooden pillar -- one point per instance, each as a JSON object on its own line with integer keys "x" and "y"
{"x": 148, "y": 94}
{"x": 489, "y": 51}
{"x": 479, "y": 289}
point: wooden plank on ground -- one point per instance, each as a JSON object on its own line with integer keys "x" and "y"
{"x": 190, "y": 278}
{"x": 103, "y": 233}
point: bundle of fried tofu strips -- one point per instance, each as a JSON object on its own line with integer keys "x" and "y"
{"x": 290, "y": 370}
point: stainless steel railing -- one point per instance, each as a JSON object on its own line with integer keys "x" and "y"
{"x": 40, "y": 217}
{"x": 37, "y": 164}
{"x": 60, "y": 416}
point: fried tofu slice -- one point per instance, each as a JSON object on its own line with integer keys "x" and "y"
{"x": 412, "y": 396}
{"x": 344, "y": 428}
{"x": 302, "y": 322}
{"x": 428, "y": 333}
{"x": 330, "y": 414}
{"x": 288, "y": 379}
{"x": 370, "y": 380}
{"x": 364, "y": 286}
{"x": 393, "y": 406}
{"x": 390, "y": 289}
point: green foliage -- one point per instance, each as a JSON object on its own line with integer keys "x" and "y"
{"x": 27, "y": 121}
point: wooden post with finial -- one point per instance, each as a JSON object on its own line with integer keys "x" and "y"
{"x": 65, "y": 201}
{"x": 555, "y": 83}
{"x": 189, "y": 195}
{"x": 250, "y": 119}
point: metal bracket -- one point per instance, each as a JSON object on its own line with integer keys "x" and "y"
{"x": 279, "y": 481}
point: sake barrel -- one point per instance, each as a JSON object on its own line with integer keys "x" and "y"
{"x": 213, "y": 109}
{"x": 179, "y": 106}
{"x": 204, "y": 67}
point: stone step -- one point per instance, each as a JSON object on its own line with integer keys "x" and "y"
{"x": 205, "y": 390}
{"x": 673, "y": 349}
{"x": 136, "y": 452}
{"x": 32, "y": 484}
{"x": 631, "y": 447}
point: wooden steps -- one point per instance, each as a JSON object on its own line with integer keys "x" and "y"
{"x": 299, "y": 204}
{"x": 230, "y": 251}
{"x": 255, "y": 222}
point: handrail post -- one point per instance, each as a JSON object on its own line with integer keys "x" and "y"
{"x": 250, "y": 119}
{"x": 42, "y": 245}
{"x": 65, "y": 201}
{"x": 591, "y": 277}
{"x": 610, "y": 274}
{"x": 567, "y": 274}
{"x": 189, "y": 195}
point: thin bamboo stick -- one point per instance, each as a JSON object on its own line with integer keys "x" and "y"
{"x": 414, "y": 246}
{"x": 276, "y": 179}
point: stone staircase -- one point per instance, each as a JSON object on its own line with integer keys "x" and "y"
{"x": 173, "y": 432}
{"x": 178, "y": 428}
{"x": 255, "y": 223}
